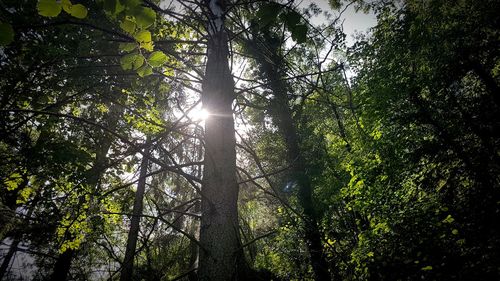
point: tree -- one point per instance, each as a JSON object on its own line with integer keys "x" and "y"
{"x": 220, "y": 256}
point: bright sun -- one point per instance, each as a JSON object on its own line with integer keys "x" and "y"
{"x": 199, "y": 114}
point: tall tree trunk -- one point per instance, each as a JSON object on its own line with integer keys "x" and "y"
{"x": 312, "y": 234}
{"x": 271, "y": 66}
{"x": 63, "y": 265}
{"x": 128, "y": 261}
{"x": 221, "y": 256}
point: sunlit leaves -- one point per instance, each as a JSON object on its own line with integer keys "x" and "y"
{"x": 13, "y": 181}
{"x": 52, "y": 8}
{"x": 144, "y": 17}
{"x": 49, "y": 8}
{"x": 127, "y": 47}
{"x": 157, "y": 58}
{"x": 79, "y": 11}
{"x": 132, "y": 61}
{"x": 128, "y": 26}
{"x": 148, "y": 46}
{"x": 143, "y": 36}
{"x": 145, "y": 71}
{"x": 6, "y": 34}
{"x": 66, "y": 5}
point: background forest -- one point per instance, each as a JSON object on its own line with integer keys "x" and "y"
{"x": 243, "y": 140}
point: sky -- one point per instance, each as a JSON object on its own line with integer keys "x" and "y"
{"x": 354, "y": 22}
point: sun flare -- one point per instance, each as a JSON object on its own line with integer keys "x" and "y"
{"x": 199, "y": 114}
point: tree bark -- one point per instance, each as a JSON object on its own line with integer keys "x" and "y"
{"x": 221, "y": 257}
{"x": 128, "y": 261}
{"x": 270, "y": 65}
{"x": 63, "y": 265}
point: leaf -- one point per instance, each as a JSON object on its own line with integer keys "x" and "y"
{"x": 6, "y": 34}
{"x": 448, "y": 219}
{"x": 145, "y": 17}
{"x": 66, "y": 5}
{"x": 143, "y": 36}
{"x": 79, "y": 11}
{"x": 113, "y": 6}
{"x": 128, "y": 26}
{"x": 14, "y": 181}
{"x": 48, "y": 8}
{"x": 290, "y": 18}
{"x": 131, "y": 3}
{"x": 131, "y": 61}
{"x": 268, "y": 13}
{"x": 148, "y": 46}
{"x": 145, "y": 71}
{"x": 127, "y": 47}
{"x": 299, "y": 33}
{"x": 157, "y": 58}
{"x": 427, "y": 268}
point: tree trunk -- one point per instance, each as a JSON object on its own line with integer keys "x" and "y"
{"x": 128, "y": 261}
{"x": 270, "y": 65}
{"x": 312, "y": 237}
{"x": 63, "y": 265}
{"x": 221, "y": 256}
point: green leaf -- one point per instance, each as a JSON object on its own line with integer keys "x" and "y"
{"x": 448, "y": 219}
{"x": 66, "y": 5}
{"x": 14, "y": 181}
{"x": 79, "y": 11}
{"x": 145, "y": 71}
{"x": 128, "y": 26}
{"x": 48, "y": 8}
{"x": 113, "y": 6}
{"x": 143, "y": 36}
{"x": 299, "y": 33}
{"x": 127, "y": 47}
{"x": 131, "y": 61}
{"x": 157, "y": 58}
{"x": 131, "y": 3}
{"x": 290, "y": 18}
{"x": 6, "y": 34}
{"x": 145, "y": 17}
{"x": 268, "y": 13}
{"x": 148, "y": 46}
{"x": 427, "y": 268}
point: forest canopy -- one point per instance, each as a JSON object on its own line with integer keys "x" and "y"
{"x": 249, "y": 140}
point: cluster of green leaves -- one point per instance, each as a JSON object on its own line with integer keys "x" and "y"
{"x": 52, "y": 8}
{"x": 273, "y": 13}
{"x": 137, "y": 22}
{"x": 415, "y": 189}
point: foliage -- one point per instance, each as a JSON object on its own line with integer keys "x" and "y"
{"x": 397, "y": 137}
